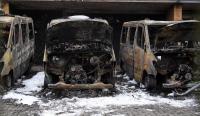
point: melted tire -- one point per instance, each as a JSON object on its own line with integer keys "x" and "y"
{"x": 46, "y": 81}
{"x": 150, "y": 82}
{"x": 122, "y": 67}
{"x": 8, "y": 81}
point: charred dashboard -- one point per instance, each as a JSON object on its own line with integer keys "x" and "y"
{"x": 79, "y": 54}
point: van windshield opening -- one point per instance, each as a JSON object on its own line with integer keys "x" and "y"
{"x": 153, "y": 31}
{"x": 174, "y": 36}
{"x": 79, "y": 31}
{"x": 4, "y": 34}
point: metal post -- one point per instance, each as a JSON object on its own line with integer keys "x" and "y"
{"x": 5, "y": 6}
{"x": 175, "y": 13}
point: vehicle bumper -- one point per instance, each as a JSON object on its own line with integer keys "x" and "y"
{"x": 173, "y": 85}
{"x": 62, "y": 85}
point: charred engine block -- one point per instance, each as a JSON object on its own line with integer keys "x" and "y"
{"x": 78, "y": 63}
{"x": 184, "y": 74}
{"x": 175, "y": 69}
{"x": 76, "y": 75}
{"x": 83, "y": 69}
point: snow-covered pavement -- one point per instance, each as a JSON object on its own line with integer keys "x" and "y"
{"x": 76, "y": 106}
{"x": 25, "y": 95}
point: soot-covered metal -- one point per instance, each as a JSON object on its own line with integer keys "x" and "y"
{"x": 160, "y": 53}
{"x": 79, "y": 54}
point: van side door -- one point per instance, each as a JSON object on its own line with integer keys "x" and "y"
{"x": 139, "y": 53}
{"x": 130, "y": 51}
{"x": 31, "y": 34}
{"x": 16, "y": 51}
{"x": 123, "y": 48}
{"x": 26, "y": 47}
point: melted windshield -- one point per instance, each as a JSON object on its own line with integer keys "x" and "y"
{"x": 182, "y": 35}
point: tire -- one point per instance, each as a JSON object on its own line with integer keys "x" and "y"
{"x": 46, "y": 81}
{"x": 8, "y": 81}
{"x": 30, "y": 63}
{"x": 121, "y": 67}
{"x": 109, "y": 78}
{"x": 150, "y": 82}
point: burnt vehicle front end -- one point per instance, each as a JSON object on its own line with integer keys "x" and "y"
{"x": 5, "y": 52}
{"x": 177, "y": 49}
{"x": 79, "y": 55}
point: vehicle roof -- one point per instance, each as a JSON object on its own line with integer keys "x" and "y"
{"x": 10, "y": 18}
{"x": 154, "y": 22}
{"x": 61, "y": 20}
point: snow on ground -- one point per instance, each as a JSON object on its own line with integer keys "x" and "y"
{"x": 32, "y": 85}
{"x": 136, "y": 98}
{"x": 25, "y": 95}
{"x": 21, "y": 98}
{"x": 75, "y": 106}
{"x": 101, "y": 104}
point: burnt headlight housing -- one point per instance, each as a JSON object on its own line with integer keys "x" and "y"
{"x": 55, "y": 59}
{"x": 58, "y": 61}
{"x": 159, "y": 57}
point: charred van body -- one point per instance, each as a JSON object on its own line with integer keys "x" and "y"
{"x": 160, "y": 53}
{"x": 79, "y": 54}
{"x": 17, "y": 42}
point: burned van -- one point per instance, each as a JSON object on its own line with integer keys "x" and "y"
{"x": 16, "y": 47}
{"x": 79, "y": 54}
{"x": 160, "y": 53}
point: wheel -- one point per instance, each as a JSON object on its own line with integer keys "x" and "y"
{"x": 122, "y": 67}
{"x": 47, "y": 81}
{"x": 150, "y": 82}
{"x": 109, "y": 78}
{"x": 8, "y": 81}
{"x": 29, "y": 67}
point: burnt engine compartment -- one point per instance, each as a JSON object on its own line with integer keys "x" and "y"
{"x": 175, "y": 67}
{"x": 176, "y": 47}
{"x": 80, "y": 53}
{"x": 80, "y": 62}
